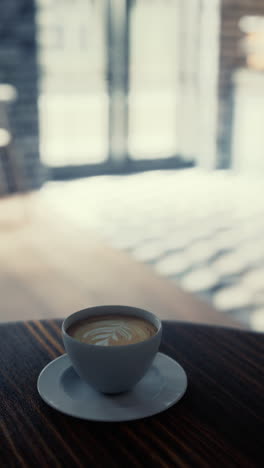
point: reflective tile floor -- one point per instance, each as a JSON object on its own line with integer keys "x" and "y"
{"x": 204, "y": 230}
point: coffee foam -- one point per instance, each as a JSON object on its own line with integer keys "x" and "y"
{"x": 112, "y": 330}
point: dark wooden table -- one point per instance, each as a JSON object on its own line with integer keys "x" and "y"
{"x": 219, "y": 422}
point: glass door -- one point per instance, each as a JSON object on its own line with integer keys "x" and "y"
{"x": 153, "y": 95}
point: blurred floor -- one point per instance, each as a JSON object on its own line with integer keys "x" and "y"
{"x": 202, "y": 230}
{"x": 52, "y": 265}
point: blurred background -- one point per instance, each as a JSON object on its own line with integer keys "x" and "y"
{"x": 141, "y": 121}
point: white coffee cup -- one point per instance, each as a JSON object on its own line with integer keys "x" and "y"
{"x": 111, "y": 369}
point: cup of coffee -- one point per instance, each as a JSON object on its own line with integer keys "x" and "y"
{"x": 112, "y": 347}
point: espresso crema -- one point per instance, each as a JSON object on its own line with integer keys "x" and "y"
{"x": 112, "y": 330}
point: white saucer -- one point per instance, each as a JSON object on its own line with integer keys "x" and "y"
{"x": 163, "y": 385}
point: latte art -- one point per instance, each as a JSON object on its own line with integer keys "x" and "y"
{"x": 112, "y": 330}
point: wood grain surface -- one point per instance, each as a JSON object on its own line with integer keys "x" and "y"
{"x": 218, "y": 423}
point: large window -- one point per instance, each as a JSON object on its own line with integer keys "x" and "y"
{"x": 73, "y": 100}
{"x": 123, "y": 82}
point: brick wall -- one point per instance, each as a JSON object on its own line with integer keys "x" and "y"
{"x": 231, "y": 58}
{"x": 18, "y": 67}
